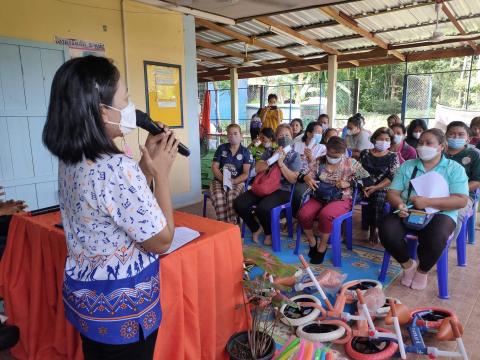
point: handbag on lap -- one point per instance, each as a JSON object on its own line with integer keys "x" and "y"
{"x": 267, "y": 182}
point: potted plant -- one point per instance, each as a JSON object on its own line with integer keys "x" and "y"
{"x": 262, "y": 299}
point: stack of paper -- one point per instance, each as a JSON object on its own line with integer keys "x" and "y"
{"x": 181, "y": 237}
{"x": 274, "y": 158}
{"x": 431, "y": 185}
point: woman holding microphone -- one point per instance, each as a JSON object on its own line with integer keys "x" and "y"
{"x": 115, "y": 227}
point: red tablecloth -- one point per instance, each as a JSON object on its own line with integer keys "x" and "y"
{"x": 200, "y": 288}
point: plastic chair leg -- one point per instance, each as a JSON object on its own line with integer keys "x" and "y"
{"x": 412, "y": 249}
{"x": 384, "y": 269}
{"x": 442, "y": 274}
{"x": 289, "y": 216}
{"x": 205, "y": 197}
{"x": 275, "y": 225}
{"x": 364, "y": 218}
{"x": 349, "y": 232}
{"x": 335, "y": 239}
{"x": 471, "y": 227}
{"x": 298, "y": 239}
{"x": 462, "y": 245}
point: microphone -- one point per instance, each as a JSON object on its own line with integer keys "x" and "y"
{"x": 144, "y": 122}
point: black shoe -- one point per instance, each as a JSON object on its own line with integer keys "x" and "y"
{"x": 312, "y": 251}
{"x": 318, "y": 257}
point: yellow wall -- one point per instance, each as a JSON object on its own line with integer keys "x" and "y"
{"x": 151, "y": 34}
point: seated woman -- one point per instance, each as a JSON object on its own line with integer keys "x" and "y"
{"x": 324, "y": 120}
{"x": 297, "y": 128}
{"x": 238, "y": 160}
{"x": 357, "y": 138}
{"x": 327, "y": 134}
{"x": 309, "y": 150}
{"x": 393, "y": 120}
{"x": 414, "y": 130}
{"x": 381, "y": 164}
{"x": 475, "y": 131}
{"x": 289, "y": 164}
{"x": 265, "y": 141}
{"x": 333, "y": 170}
{"x": 433, "y": 238}
{"x": 404, "y": 151}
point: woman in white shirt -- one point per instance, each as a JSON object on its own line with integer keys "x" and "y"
{"x": 115, "y": 227}
{"x": 309, "y": 149}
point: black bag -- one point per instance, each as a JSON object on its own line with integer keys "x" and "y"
{"x": 327, "y": 192}
{"x": 416, "y": 219}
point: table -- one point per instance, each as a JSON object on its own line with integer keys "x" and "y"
{"x": 200, "y": 290}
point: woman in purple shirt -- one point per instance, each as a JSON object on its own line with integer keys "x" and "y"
{"x": 404, "y": 151}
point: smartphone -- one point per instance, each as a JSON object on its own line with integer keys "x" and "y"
{"x": 274, "y": 107}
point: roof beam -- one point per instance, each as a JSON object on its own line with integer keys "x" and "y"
{"x": 270, "y": 22}
{"x": 215, "y": 61}
{"x": 418, "y": 56}
{"x": 432, "y": 43}
{"x": 459, "y": 27}
{"x": 245, "y": 39}
{"x": 350, "y": 23}
{"x": 207, "y": 45}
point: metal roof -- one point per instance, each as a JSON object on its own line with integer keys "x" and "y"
{"x": 395, "y": 22}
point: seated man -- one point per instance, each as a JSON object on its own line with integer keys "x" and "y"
{"x": 458, "y": 138}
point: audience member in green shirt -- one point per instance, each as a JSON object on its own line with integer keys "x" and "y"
{"x": 458, "y": 149}
{"x": 265, "y": 141}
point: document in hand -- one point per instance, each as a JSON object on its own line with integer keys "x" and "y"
{"x": 227, "y": 179}
{"x": 431, "y": 185}
{"x": 273, "y": 159}
{"x": 181, "y": 237}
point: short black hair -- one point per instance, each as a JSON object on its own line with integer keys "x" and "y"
{"x": 268, "y": 133}
{"x": 272, "y": 96}
{"x": 323, "y": 116}
{"x": 325, "y": 133}
{"x": 458, "y": 124}
{"x": 401, "y": 126}
{"x": 416, "y": 123}
{"x": 310, "y": 128}
{"x": 337, "y": 144}
{"x": 298, "y": 120}
{"x": 358, "y": 120}
{"x": 74, "y": 127}
{"x": 381, "y": 131}
{"x": 438, "y": 133}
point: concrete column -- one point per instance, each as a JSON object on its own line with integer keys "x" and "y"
{"x": 234, "y": 95}
{"x": 332, "y": 88}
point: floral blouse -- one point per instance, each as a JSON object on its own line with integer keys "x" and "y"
{"x": 348, "y": 170}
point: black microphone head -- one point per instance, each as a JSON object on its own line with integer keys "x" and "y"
{"x": 142, "y": 118}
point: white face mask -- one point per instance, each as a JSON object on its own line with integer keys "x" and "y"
{"x": 350, "y": 132}
{"x": 398, "y": 139}
{"x": 426, "y": 153}
{"x": 333, "y": 161}
{"x": 128, "y": 118}
{"x": 382, "y": 145}
{"x": 324, "y": 127}
{"x": 416, "y": 135}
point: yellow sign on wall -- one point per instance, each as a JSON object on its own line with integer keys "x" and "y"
{"x": 163, "y": 87}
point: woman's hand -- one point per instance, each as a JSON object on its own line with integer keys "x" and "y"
{"x": 158, "y": 158}
{"x": 420, "y": 202}
{"x": 342, "y": 184}
{"x": 311, "y": 182}
{"x": 369, "y": 190}
{"x": 308, "y": 154}
{"x": 12, "y": 207}
{"x": 281, "y": 156}
{"x": 403, "y": 213}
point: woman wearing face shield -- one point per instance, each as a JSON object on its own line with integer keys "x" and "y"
{"x": 289, "y": 164}
{"x": 432, "y": 238}
{"x": 115, "y": 227}
{"x": 333, "y": 173}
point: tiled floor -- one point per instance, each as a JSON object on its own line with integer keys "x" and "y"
{"x": 464, "y": 289}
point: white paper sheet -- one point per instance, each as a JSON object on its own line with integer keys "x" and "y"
{"x": 273, "y": 159}
{"x": 181, "y": 236}
{"x": 431, "y": 185}
{"x": 227, "y": 179}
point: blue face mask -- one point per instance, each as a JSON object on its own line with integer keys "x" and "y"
{"x": 456, "y": 143}
{"x": 316, "y": 138}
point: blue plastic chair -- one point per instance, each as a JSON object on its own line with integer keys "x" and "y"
{"x": 275, "y": 215}
{"x": 336, "y": 235}
{"x": 472, "y": 220}
{"x": 442, "y": 264}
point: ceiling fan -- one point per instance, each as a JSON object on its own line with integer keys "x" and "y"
{"x": 438, "y": 35}
{"x": 247, "y": 61}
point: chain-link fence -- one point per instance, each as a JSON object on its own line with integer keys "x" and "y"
{"x": 304, "y": 101}
{"x": 456, "y": 89}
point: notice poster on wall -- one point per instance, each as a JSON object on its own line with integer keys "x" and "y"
{"x": 79, "y": 48}
{"x": 163, "y": 92}
{"x": 444, "y": 115}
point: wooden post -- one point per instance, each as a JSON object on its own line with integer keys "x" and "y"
{"x": 234, "y": 95}
{"x": 332, "y": 89}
